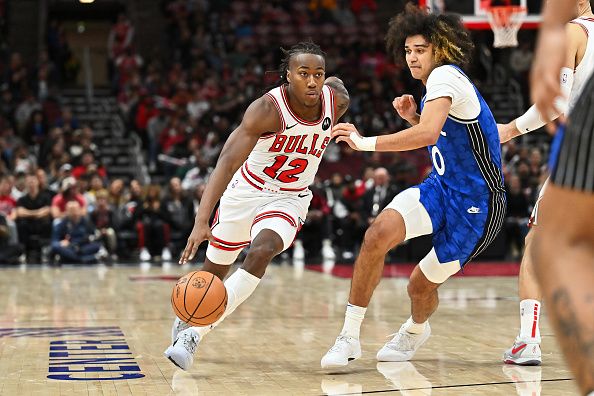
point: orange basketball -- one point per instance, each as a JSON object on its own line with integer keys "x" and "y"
{"x": 199, "y": 298}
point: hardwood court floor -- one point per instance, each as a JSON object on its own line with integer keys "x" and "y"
{"x": 50, "y": 318}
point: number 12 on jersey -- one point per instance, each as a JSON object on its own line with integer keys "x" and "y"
{"x": 298, "y": 166}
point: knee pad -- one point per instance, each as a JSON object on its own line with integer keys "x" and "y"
{"x": 416, "y": 218}
{"x": 435, "y": 271}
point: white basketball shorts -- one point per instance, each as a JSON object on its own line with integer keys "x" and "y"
{"x": 244, "y": 211}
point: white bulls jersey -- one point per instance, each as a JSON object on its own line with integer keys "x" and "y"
{"x": 289, "y": 159}
{"x": 586, "y": 66}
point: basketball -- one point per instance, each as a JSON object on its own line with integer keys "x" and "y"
{"x": 199, "y": 298}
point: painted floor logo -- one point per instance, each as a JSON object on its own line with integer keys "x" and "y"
{"x": 87, "y": 353}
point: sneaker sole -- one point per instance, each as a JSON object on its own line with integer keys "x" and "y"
{"x": 523, "y": 362}
{"x": 340, "y": 365}
{"x": 176, "y": 365}
{"x": 168, "y": 356}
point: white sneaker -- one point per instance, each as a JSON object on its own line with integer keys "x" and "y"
{"x": 327, "y": 250}
{"x": 166, "y": 254}
{"x": 298, "y": 251}
{"x": 102, "y": 254}
{"x": 344, "y": 350}
{"x": 144, "y": 255}
{"x": 524, "y": 353}
{"x": 178, "y": 326}
{"x": 404, "y": 345}
{"x": 181, "y": 352}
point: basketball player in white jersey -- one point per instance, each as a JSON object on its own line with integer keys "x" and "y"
{"x": 262, "y": 178}
{"x": 563, "y": 248}
{"x": 579, "y": 64}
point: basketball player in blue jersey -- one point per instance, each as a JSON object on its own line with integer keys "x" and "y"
{"x": 563, "y": 247}
{"x": 462, "y": 202}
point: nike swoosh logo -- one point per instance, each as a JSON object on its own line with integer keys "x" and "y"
{"x": 302, "y": 195}
{"x": 518, "y": 349}
{"x": 289, "y": 127}
{"x": 473, "y": 210}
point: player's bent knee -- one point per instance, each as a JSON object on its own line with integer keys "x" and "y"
{"x": 415, "y": 289}
{"x": 259, "y": 256}
{"x": 435, "y": 271}
{"x": 263, "y": 252}
{"x": 377, "y": 237}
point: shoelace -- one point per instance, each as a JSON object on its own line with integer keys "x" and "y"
{"x": 402, "y": 341}
{"x": 190, "y": 342}
{"x": 182, "y": 325}
{"x": 341, "y": 340}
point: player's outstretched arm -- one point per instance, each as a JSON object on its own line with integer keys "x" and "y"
{"x": 341, "y": 95}
{"x": 549, "y": 60}
{"x": 532, "y": 120}
{"x": 260, "y": 117}
{"x": 425, "y": 133}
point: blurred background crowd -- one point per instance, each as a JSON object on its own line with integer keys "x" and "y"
{"x": 62, "y": 199}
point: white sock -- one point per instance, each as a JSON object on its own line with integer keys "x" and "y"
{"x": 239, "y": 287}
{"x": 414, "y": 328}
{"x": 352, "y": 320}
{"x": 529, "y": 318}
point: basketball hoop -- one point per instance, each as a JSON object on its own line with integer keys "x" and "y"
{"x": 506, "y": 22}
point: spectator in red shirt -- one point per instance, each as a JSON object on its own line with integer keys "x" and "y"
{"x": 69, "y": 193}
{"x": 88, "y": 166}
{"x": 7, "y": 202}
{"x": 120, "y": 37}
{"x": 171, "y": 135}
{"x": 128, "y": 64}
{"x": 8, "y": 208}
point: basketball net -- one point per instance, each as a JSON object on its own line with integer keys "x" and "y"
{"x": 506, "y": 22}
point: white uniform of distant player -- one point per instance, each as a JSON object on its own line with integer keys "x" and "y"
{"x": 526, "y": 348}
{"x": 272, "y": 184}
{"x": 580, "y": 77}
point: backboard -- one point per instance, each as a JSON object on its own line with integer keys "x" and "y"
{"x": 474, "y": 13}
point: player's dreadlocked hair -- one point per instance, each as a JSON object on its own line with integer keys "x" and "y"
{"x": 451, "y": 41}
{"x": 304, "y": 47}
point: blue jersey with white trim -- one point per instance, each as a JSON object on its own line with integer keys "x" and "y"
{"x": 467, "y": 155}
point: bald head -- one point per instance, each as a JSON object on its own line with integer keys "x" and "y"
{"x": 381, "y": 176}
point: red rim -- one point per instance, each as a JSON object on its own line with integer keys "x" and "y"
{"x": 503, "y": 13}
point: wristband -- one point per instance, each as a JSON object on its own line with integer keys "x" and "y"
{"x": 532, "y": 120}
{"x": 363, "y": 143}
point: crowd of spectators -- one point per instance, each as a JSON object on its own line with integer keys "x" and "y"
{"x": 57, "y": 202}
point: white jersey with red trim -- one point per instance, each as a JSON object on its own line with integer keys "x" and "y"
{"x": 288, "y": 159}
{"x": 583, "y": 71}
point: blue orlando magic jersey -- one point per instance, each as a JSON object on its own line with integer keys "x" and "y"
{"x": 467, "y": 156}
{"x": 464, "y": 195}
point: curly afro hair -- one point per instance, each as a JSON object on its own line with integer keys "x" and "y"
{"x": 451, "y": 41}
